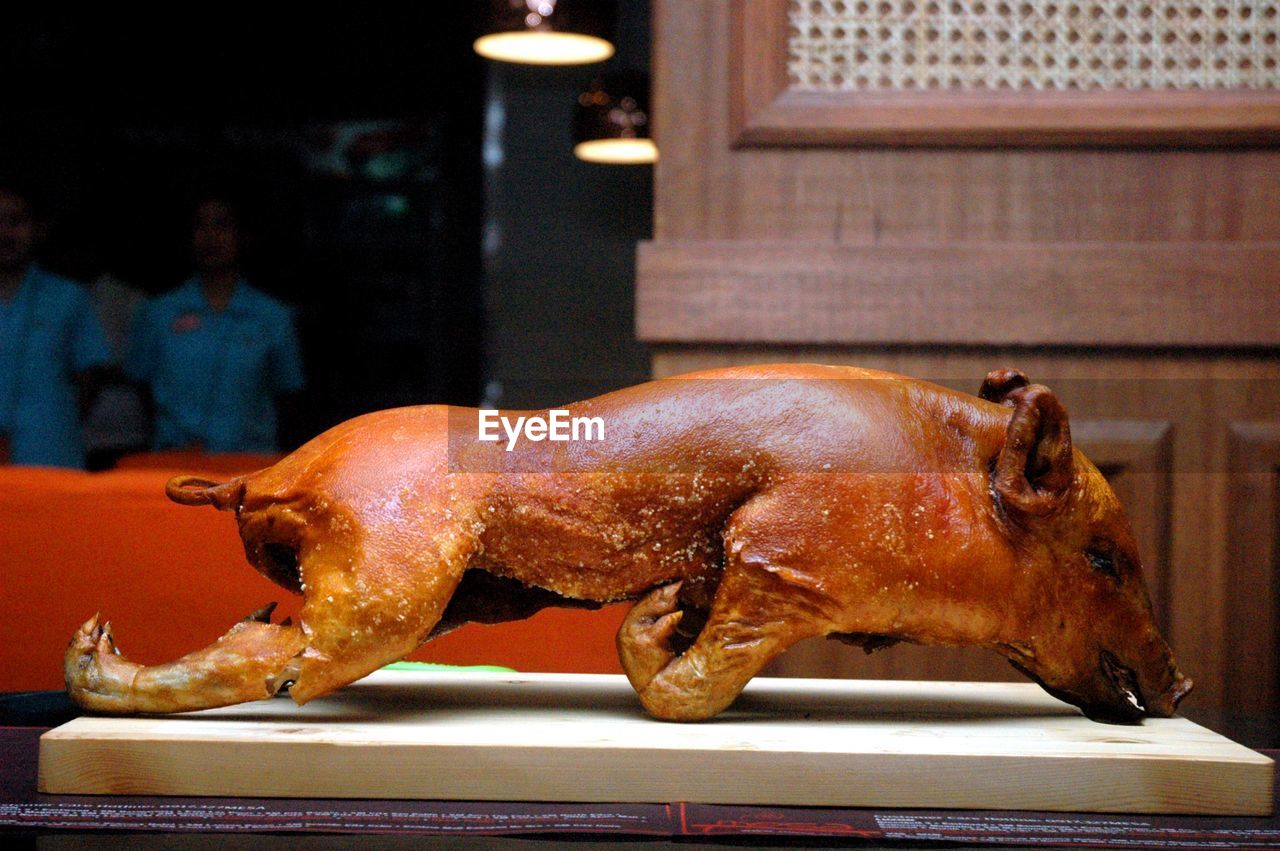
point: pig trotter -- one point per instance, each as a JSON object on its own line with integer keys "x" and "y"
{"x": 644, "y": 639}
{"x": 750, "y": 623}
{"x": 252, "y": 661}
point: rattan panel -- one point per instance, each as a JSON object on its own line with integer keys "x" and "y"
{"x": 893, "y": 45}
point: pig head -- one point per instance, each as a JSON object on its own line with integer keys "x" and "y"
{"x": 1093, "y": 640}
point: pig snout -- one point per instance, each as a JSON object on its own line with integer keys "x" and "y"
{"x": 1162, "y": 684}
{"x": 1154, "y": 682}
{"x": 1165, "y": 703}
{"x": 1121, "y": 687}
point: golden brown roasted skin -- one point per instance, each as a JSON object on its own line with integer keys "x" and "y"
{"x": 743, "y": 509}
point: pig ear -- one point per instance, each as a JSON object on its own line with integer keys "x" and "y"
{"x": 1034, "y": 470}
{"x": 999, "y": 383}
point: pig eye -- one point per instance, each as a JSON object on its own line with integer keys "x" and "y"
{"x": 1103, "y": 559}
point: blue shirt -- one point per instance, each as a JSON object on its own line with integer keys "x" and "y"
{"x": 214, "y": 375}
{"x": 48, "y": 333}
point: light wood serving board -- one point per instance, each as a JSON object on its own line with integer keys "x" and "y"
{"x": 582, "y": 737}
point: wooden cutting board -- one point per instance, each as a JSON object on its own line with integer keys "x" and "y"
{"x": 582, "y": 737}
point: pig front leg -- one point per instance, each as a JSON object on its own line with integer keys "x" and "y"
{"x": 750, "y": 623}
{"x": 767, "y": 600}
{"x": 761, "y": 608}
{"x": 252, "y": 661}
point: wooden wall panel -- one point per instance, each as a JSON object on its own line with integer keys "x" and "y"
{"x": 1252, "y": 671}
{"x": 1210, "y": 294}
{"x": 707, "y": 189}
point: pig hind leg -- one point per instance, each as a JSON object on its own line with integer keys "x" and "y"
{"x": 376, "y": 603}
{"x": 370, "y": 598}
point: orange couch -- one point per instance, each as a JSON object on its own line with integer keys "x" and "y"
{"x": 172, "y": 578}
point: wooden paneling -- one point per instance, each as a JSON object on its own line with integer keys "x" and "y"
{"x": 1211, "y": 294}
{"x": 767, "y": 111}
{"x": 1014, "y": 118}
{"x": 929, "y": 197}
{"x": 1253, "y": 560}
{"x": 705, "y": 189}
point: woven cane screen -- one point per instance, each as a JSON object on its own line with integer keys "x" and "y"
{"x": 892, "y": 45}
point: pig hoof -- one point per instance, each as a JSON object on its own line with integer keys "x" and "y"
{"x": 644, "y": 639}
{"x": 98, "y": 677}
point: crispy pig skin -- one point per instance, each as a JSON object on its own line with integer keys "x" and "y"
{"x": 742, "y": 510}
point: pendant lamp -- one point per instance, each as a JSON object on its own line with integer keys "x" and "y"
{"x": 548, "y": 32}
{"x": 611, "y": 123}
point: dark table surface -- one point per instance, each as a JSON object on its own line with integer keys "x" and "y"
{"x": 30, "y": 818}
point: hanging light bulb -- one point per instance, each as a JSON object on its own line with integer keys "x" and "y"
{"x": 548, "y": 32}
{"x": 611, "y": 123}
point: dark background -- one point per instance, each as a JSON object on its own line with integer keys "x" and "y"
{"x": 418, "y": 205}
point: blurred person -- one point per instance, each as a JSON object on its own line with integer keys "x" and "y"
{"x": 217, "y": 355}
{"x": 117, "y": 423}
{"x": 53, "y": 354}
